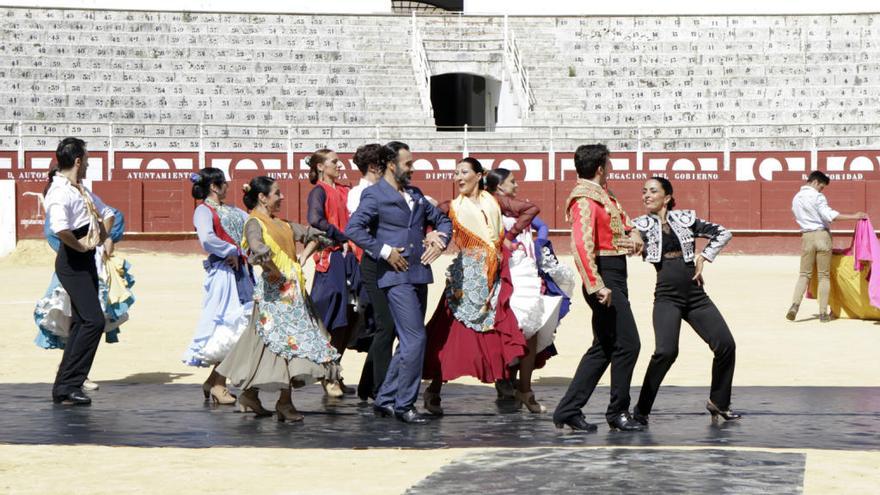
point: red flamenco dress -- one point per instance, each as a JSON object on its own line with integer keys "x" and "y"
{"x": 474, "y": 332}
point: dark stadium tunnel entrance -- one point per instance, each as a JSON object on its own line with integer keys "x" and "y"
{"x": 461, "y": 98}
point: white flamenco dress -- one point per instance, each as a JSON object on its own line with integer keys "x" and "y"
{"x": 536, "y": 312}
{"x": 53, "y": 313}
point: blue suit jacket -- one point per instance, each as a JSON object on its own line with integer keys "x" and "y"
{"x": 383, "y": 217}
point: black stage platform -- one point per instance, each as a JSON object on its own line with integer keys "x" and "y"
{"x": 559, "y": 471}
{"x": 170, "y": 415}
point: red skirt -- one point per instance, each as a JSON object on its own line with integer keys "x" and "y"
{"x": 454, "y": 350}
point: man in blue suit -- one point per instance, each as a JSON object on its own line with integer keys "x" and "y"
{"x": 389, "y": 225}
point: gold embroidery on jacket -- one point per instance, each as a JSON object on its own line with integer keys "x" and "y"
{"x": 590, "y": 190}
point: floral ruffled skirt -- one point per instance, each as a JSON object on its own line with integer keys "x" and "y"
{"x": 284, "y": 343}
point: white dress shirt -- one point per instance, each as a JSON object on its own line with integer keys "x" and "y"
{"x": 811, "y": 210}
{"x": 354, "y": 195}
{"x": 66, "y": 207}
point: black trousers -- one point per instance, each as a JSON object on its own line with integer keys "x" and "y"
{"x": 678, "y": 298}
{"x": 79, "y": 277}
{"x": 615, "y": 342}
{"x": 379, "y": 354}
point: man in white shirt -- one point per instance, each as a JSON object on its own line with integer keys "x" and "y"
{"x": 814, "y": 216}
{"x": 366, "y": 158}
{"x": 73, "y": 212}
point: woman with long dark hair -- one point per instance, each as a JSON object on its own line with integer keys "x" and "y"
{"x": 285, "y": 344}
{"x": 337, "y": 275}
{"x": 542, "y": 286}
{"x": 473, "y": 331}
{"x": 229, "y": 286}
{"x": 669, "y": 236}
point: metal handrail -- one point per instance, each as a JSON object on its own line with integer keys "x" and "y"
{"x": 519, "y": 77}
{"x": 420, "y": 66}
{"x": 182, "y": 136}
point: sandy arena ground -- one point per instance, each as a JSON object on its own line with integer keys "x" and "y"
{"x": 752, "y": 292}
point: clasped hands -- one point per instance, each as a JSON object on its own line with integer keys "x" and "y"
{"x": 434, "y": 245}
{"x": 633, "y": 244}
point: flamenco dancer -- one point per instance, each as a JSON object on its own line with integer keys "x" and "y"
{"x": 669, "y": 237}
{"x": 541, "y": 285}
{"x": 285, "y": 345}
{"x": 77, "y": 218}
{"x": 601, "y": 237}
{"x": 473, "y": 331}
{"x": 337, "y": 277}
{"x": 389, "y": 225}
{"x": 52, "y": 313}
{"x": 229, "y": 284}
{"x": 377, "y": 312}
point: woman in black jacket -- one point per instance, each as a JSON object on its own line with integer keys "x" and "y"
{"x": 669, "y": 245}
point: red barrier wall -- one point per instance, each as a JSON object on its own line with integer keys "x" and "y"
{"x": 744, "y": 190}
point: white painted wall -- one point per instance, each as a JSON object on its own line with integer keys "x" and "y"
{"x": 7, "y": 217}
{"x": 256, "y": 6}
{"x": 667, "y": 7}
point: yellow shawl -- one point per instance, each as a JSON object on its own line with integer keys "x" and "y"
{"x": 478, "y": 227}
{"x": 278, "y": 236}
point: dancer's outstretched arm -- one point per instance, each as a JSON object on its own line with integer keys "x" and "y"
{"x": 308, "y": 250}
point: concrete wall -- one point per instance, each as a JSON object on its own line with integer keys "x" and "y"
{"x": 670, "y": 7}
{"x": 295, "y": 6}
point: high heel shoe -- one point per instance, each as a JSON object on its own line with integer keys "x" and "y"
{"x": 250, "y": 401}
{"x": 715, "y": 411}
{"x": 209, "y": 382}
{"x": 287, "y": 413}
{"x": 432, "y": 403}
{"x": 332, "y": 388}
{"x": 528, "y": 399}
{"x": 221, "y": 396}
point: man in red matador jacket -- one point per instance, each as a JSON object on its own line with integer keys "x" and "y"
{"x": 601, "y": 237}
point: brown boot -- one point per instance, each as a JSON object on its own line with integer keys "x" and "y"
{"x": 287, "y": 413}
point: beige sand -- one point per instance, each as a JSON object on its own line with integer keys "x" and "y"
{"x": 752, "y": 292}
{"x": 113, "y": 470}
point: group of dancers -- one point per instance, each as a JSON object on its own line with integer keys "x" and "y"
{"x": 372, "y": 245}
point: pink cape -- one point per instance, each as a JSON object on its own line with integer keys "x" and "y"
{"x": 866, "y": 247}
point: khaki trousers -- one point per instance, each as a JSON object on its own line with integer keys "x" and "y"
{"x": 815, "y": 250}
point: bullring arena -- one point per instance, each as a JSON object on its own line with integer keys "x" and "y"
{"x": 735, "y": 108}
